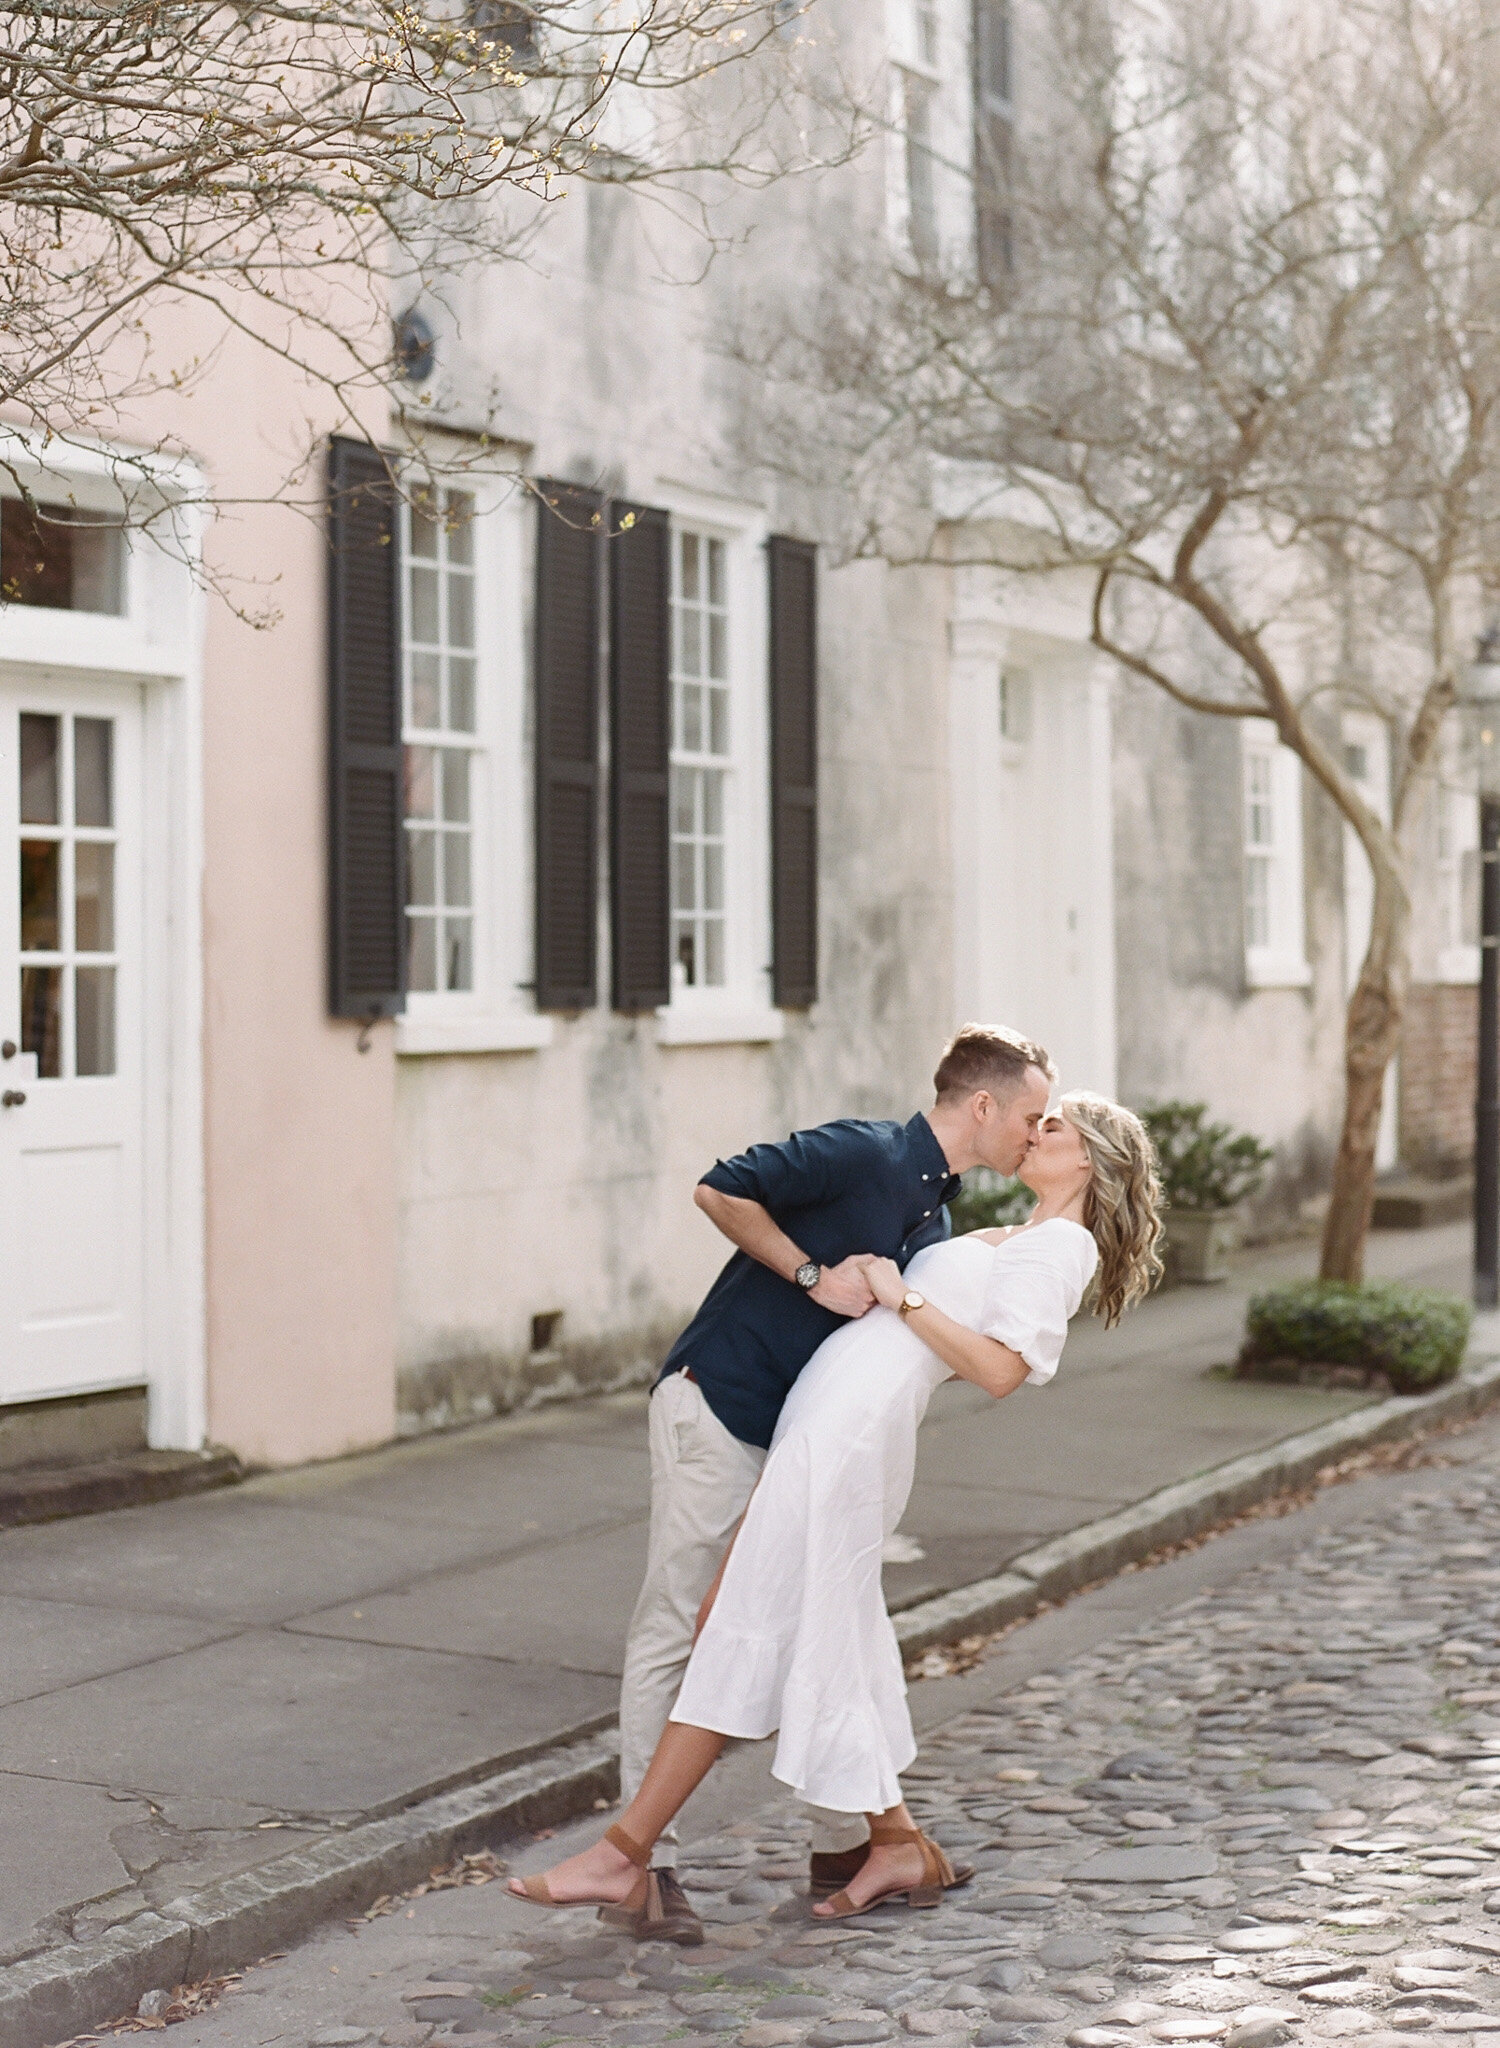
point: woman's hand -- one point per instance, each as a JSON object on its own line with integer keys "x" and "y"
{"x": 886, "y": 1282}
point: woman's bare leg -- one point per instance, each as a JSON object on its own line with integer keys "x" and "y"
{"x": 683, "y": 1759}
{"x": 888, "y": 1867}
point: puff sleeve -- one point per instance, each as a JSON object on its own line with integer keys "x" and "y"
{"x": 1035, "y": 1286}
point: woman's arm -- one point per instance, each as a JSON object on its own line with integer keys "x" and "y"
{"x": 978, "y": 1359}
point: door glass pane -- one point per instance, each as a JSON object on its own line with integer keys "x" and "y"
{"x": 39, "y": 769}
{"x": 94, "y": 1009}
{"x": 93, "y": 802}
{"x": 41, "y": 862}
{"x": 41, "y": 1007}
{"x": 94, "y": 900}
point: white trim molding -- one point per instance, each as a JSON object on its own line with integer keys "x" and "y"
{"x": 498, "y": 1013}
{"x": 1271, "y": 832}
{"x": 479, "y": 1031}
{"x": 156, "y": 641}
{"x": 724, "y": 1027}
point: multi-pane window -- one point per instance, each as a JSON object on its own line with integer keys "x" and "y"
{"x": 927, "y": 31}
{"x": 701, "y": 754}
{"x": 68, "y": 958}
{"x": 994, "y": 140}
{"x": 921, "y": 171}
{"x": 441, "y": 738}
{"x": 1260, "y": 845}
{"x": 1271, "y": 834}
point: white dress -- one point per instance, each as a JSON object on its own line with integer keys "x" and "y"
{"x": 799, "y": 1639}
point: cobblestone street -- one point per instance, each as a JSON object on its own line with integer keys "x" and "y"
{"x": 1266, "y": 1811}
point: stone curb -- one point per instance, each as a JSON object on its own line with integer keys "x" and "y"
{"x": 1099, "y": 1549}
{"x": 63, "y": 1991}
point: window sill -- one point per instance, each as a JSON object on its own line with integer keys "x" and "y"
{"x": 1277, "y": 970}
{"x": 692, "y": 1026}
{"x": 493, "y": 1031}
{"x": 1458, "y": 964}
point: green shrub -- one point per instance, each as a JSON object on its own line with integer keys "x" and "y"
{"x": 1203, "y": 1165}
{"x": 1414, "y": 1335}
{"x": 987, "y": 1199}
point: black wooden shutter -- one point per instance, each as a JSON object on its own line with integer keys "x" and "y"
{"x": 366, "y": 836}
{"x": 794, "y": 772}
{"x": 567, "y": 746}
{"x": 640, "y": 691}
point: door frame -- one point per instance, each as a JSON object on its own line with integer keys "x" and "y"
{"x": 157, "y": 644}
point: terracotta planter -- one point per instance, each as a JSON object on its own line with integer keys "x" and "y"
{"x": 1197, "y": 1240}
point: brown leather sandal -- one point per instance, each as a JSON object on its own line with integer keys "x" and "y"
{"x": 829, "y": 1870}
{"x": 631, "y": 1908}
{"x": 937, "y": 1876}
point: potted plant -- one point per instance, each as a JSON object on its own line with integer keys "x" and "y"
{"x": 1207, "y": 1170}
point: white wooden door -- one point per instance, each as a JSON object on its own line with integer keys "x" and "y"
{"x": 72, "y": 1228}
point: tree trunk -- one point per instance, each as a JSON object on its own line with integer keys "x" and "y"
{"x": 1372, "y": 1035}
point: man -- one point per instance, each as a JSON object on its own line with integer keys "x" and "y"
{"x": 799, "y": 1214}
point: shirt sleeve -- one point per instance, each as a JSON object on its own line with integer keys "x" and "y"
{"x": 806, "y": 1170}
{"x": 1035, "y": 1287}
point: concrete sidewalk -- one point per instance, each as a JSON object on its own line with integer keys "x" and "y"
{"x": 187, "y": 1690}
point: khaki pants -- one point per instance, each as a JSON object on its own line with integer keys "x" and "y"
{"x": 701, "y": 1478}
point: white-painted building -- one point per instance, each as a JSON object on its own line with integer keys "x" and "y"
{"x": 375, "y": 986}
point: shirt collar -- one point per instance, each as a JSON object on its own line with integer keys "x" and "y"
{"x": 927, "y": 1154}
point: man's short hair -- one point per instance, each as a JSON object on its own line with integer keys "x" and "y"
{"x": 987, "y": 1056}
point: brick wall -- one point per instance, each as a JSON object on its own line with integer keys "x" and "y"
{"x": 1436, "y": 1108}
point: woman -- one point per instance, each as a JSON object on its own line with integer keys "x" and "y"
{"x": 794, "y": 1635}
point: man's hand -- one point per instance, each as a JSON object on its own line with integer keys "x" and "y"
{"x": 844, "y": 1288}
{"x": 885, "y": 1281}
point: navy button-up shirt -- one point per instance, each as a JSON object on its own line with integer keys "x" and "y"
{"x": 843, "y": 1188}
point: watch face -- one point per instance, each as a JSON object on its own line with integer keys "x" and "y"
{"x": 912, "y": 1299}
{"x": 809, "y": 1274}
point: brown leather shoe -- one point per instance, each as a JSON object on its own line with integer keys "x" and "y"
{"x": 829, "y": 1871}
{"x": 668, "y": 1916}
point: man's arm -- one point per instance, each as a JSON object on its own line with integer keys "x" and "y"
{"x": 842, "y": 1288}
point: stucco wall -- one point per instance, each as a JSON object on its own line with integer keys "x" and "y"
{"x": 562, "y": 1178}
{"x": 300, "y": 1211}
{"x": 1267, "y": 1060}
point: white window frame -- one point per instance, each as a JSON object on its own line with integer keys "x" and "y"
{"x": 917, "y": 75}
{"x": 1282, "y": 961}
{"x": 499, "y": 1013}
{"x": 1457, "y": 836}
{"x": 741, "y": 1010}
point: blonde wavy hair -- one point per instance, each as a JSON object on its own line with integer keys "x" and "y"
{"x": 1122, "y": 1208}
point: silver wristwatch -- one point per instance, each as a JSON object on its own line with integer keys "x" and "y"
{"x": 808, "y": 1274}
